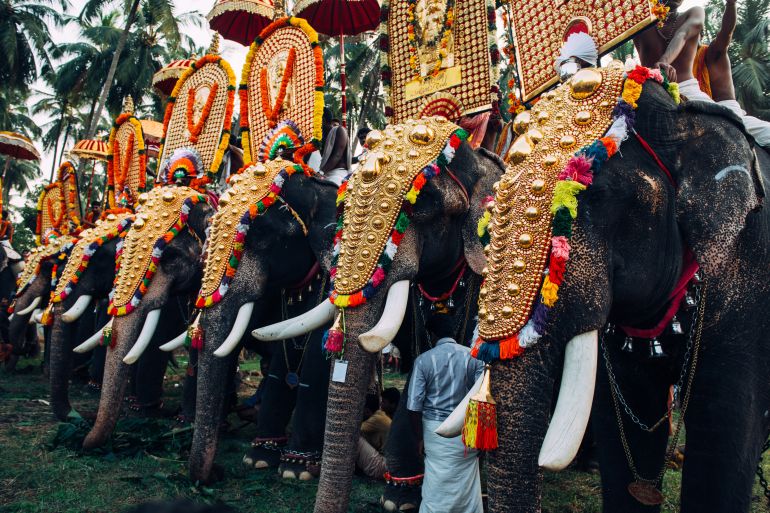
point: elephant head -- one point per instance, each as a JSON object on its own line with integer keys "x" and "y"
{"x": 160, "y": 259}
{"x": 441, "y": 231}
{"x": 684, "y": 179}
{"x": 282, "y": 245}
{"x": 87, "y": 278}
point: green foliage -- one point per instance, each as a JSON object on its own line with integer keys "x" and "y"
{"x": 24, "y": 221}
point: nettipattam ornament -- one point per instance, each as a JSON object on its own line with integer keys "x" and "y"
{"x": 253, "y": 191}
{"x": 37, "y": 256}
{"x": 58, "y": 208}
{"x": 127, "y": 162}
{"x": 438, "y": 57}
{"x": 89, "y": 242}
{"x": 162, "y": 214}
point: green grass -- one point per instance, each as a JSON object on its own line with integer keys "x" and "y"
{"x": 42, "y": 471}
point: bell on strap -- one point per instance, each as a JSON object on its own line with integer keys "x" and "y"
{"x": 609, "y": 329}
{"x": 697, "y": 278}
{"x": 433, "y": 307}
{"x": 676, "y": 326}
{"x": 461, "y": 284}
{"x": 656, "y": 350}
{"x": 689, "y": 302}
{"x": 290, "y": 301}
{"x": 310, "y": 288}
{"x": 450, "y": 303}
{"x": 628, "y": 344}
{"x": 299, "y": 297}
{"x": 420, "y": 302}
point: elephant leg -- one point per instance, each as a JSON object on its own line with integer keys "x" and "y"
{"x": 61, "y": 367}
{"x": 278, "y": 402}
{"x": 96, "y": 370}
{"x": 727, "y": 424}
{"x": 644, "y": 384}
{"x": 150, "y": 371}
{"x": 81, "y": 362}
{"x": 46, "y": 350}
{"x": 302, "y": 456}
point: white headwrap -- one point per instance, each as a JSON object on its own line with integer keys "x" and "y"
{"x": 579, "y": 45}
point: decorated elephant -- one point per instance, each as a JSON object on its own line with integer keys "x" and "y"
{"x": 432, "y": 188}
{"x": 627, "y": 234}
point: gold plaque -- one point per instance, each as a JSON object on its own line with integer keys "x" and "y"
{"x": 445, "y": 79}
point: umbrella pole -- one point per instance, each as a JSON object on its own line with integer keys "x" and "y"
{"x": 344, "y": 100}
{"x": 7, "y": 165}
{"x": 90, "y": 184}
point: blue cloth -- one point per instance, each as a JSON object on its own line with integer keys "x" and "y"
{"x": 440, "y": 379}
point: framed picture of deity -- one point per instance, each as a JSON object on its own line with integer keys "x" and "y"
{"x": 438, "y": 57}
{"x": 540, "y": 28}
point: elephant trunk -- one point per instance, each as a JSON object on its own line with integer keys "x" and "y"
{"x": 60, "y": 364}
{"x": 343, "y": 423}
{"x": 124, "y": 332}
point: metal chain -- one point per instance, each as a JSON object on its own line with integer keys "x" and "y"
{"x": 698, "y": 325}
{"x": 677, "y": 389}
{"x": 761, "y": 474}
{"x": 285, "y": 315}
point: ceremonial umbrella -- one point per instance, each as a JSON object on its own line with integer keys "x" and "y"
{"x": 340, "y": 18}
{"x": 90, "y": 149}
{"x": 152, "y": 131}
{"x": 165, "y": 78}
{"x": 241, "y": 20}
{"x": 15, "y": 146}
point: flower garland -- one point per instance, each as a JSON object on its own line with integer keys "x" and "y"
{"x": 56, "y": 271}
{"x": 119, "y": 230}
{"x": 576, "y": 177}
{"x": 660, "y": 11}
{"x": 122, "y": 167}
{"x": 334, "y": 338}
{"x": 157, "y": 252}
{"x": 318, "y": 94}
{"x": 194, "y": 128}
{"x": 414, "y": 38}
{"x": 272, "y": 112}
{"x": 224, "y": 140}
{"x": 242, "y": 229}
{"x": 118, "y": 183}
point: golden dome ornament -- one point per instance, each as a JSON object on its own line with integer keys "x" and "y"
{"x": 522, "y": 121}
{"x": 584, "y": 83}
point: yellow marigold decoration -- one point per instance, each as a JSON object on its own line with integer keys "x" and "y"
{"x": 565, "y": 195}
{"x": 631, "y": 92}
{"x": 549, "y": 291}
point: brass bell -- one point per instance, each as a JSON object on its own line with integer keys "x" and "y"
{"x": 522, "y": 121}
{"x": 656, "y": 350}
{"x": 689, "y": 302}
{"x": 676, "y": 326}
{"x": 628, "y": 345}
{"x": 585, "y": 83}
{"x": 609, "y": 329}
{"x": 422, "y": 135}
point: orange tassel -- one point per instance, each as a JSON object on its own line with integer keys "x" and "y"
{"x": 480, "y": 428}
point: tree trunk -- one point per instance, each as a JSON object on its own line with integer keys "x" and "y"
{"x": 113, "y": 68}
{"x": 64, "y": 142}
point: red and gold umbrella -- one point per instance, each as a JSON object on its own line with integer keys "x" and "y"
{"x": 90, "y": 149}
{"x": 241, "y": 20}
{"x": 165, "y": 78}
{"x": 153, "y": 133}
{"x": 340, "y": 18}
{"x": 17, "y": 146}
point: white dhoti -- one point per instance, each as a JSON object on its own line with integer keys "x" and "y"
{"x": 451, "y": 483}
{"x": 337, "y": 175}
{"x": 759, "y": 130}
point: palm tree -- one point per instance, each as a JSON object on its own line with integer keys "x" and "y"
{"x": 14, "y": 114}
{"x": 162, "y": 13}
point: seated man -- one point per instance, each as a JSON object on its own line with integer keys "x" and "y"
{"x": 335, "y": 157}
{"x": 673, "y": 49}
{"x": 374, "y": 432}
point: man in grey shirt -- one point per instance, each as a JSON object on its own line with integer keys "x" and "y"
{"x": 440, "y": 379}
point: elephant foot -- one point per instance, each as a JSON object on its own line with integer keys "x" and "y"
{"x": 264, "y": 452}
{"x": 401, "y": 493}
{"x": 304, "y": 466}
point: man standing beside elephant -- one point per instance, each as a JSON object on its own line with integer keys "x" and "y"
{"x": 440, "y": 379}
{"x": 673, "y": 48}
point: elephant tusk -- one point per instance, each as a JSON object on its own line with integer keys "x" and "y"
{"x": 36, "y": 317}
{"x": 77, "y": 309}
{"x": 573, "y": 407}
{"x": 453, "y": 425}
{"x": 305, "y": 323}
{"x": 386, "y": 329}
{"x": 239, "y": 328}
{"x": 31, "y": 306}
{"x": 148, "y": 330}
{"x": 92, "y": 341}
{"x": 174, "y": 343}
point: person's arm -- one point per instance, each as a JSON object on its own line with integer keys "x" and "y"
{"x": 725, "y": 35}
{"x": 691, "y": 28}
{"x": 414, "y": 402}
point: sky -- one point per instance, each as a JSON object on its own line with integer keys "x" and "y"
{"x": 233, "y": 52}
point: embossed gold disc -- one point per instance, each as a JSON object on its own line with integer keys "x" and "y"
{"x": 520, "y": 228}
{"x": 87, "y": 237}
{"x": 39, "y": 254}
{"x": 249, "y": 187}
{"x": 154, "y": 218}
{"x": 376, "y": 191}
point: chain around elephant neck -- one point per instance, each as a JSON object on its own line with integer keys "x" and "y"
{"x": 285, "y": 315}
{"x": 642, "y": 487}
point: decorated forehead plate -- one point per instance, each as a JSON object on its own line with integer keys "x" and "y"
{"x": 563, "y": 121}
{"x": 376, "y": 192}
{"x": 37, "y": 256}
{"x": 158, "y": 214}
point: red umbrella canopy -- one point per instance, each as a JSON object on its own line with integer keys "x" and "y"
{"x": 339, "y": 17}
{"x": 241, "y": 20}
{"x": 165, "y": 78}
{"x": 90, "y": 149}
{"x": 17, "y": 146}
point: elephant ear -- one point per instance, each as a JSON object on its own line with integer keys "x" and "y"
{"x": 490, "y": 168}
{"x": 722, "y": 185}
